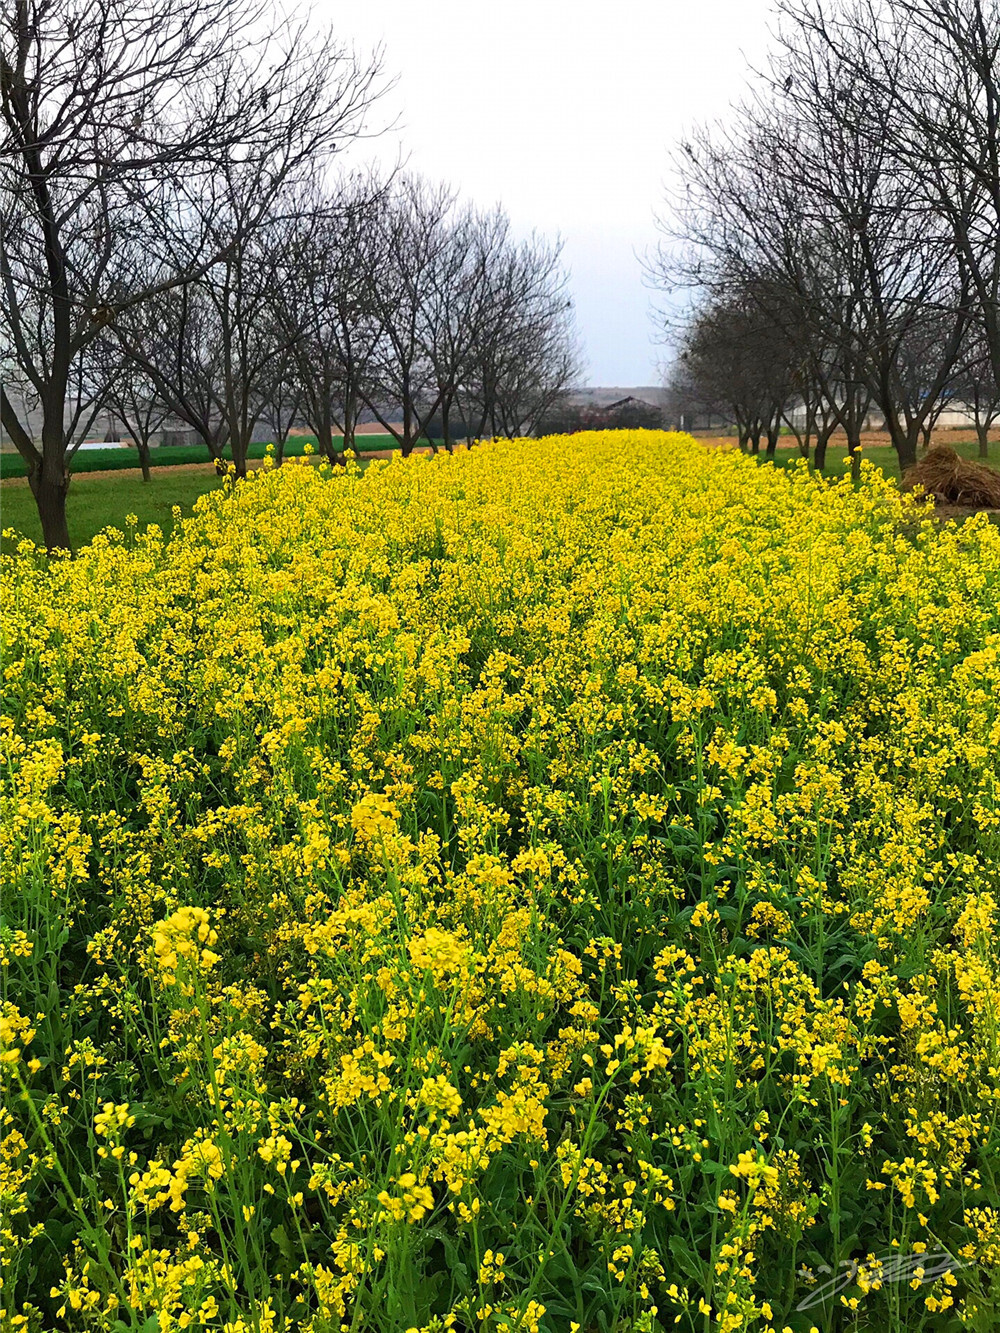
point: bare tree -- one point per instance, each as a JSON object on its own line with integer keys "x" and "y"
{"x": 408, "y": 244}
{"x": 173, "y": 341}
{"x": 332, "y": 321}
{"x": 248, "y": 342}
{"x": 734, "y": 359}
{"x": 934, "y": 66}
{"x": 132, "y": 400}
{"x": 530, "y": 373}
{"x": 977, "y": 384}
{"x": 728, "y": 251}
{"x": 904, "y": 283}
{"x": 114, "y": 112}
{"x": 282, "y": 402}
{"x": 524, "y": 355}
{"x": 400, "y": 300}
{"x": 856, "y": 153}
{"x": 459, "y": 304}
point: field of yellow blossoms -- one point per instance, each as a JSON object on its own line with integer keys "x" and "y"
{"x": 553, "y": 888}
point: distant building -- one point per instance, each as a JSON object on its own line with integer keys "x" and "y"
{"x": 604, "y": 397}
{"x": 631, "y": 404}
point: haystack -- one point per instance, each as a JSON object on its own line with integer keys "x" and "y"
{"x": 955, "y": 480}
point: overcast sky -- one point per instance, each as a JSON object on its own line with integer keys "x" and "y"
{"x": 563, "y": 111}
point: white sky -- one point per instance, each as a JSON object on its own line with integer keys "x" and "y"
{"x": 563, "y": 112}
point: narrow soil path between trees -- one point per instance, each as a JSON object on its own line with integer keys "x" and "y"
{"x": 870, "y": 439}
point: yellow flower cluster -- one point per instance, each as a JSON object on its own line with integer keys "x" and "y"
{"x": 547, "y": 887}
{"x": 183, "y": 943}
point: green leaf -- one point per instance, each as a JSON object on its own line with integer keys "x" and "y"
{"x": 689, "y": 1264}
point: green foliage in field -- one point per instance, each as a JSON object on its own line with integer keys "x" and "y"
{"x": 506, "y": 892}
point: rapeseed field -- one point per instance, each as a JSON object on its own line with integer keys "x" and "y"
{"x": 547, "y": 889}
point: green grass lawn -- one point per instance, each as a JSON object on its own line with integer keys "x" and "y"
{"x": 115, "y": 457}
{"x": 884, "y": 457}
{"x": 100, "y": 502}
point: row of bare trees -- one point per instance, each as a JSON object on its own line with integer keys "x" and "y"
{"x": 175, "y": 245}
{"x": 839, "y": 234}
{"x": 119, "y": 120}
{"x": 374, "y": 296}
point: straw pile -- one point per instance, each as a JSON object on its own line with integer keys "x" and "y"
{"x": 954, "y": 480}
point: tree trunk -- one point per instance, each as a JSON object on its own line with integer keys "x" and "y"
{"x": 350, "y": 422}
{"x": 445, "y": 429}
{"x": 407, "y": 442}
{"x": 142, "y": 446}
{"x": 819, "y": 455}
{"x": 324, "y": 439}
{"x": 906, "y": 451}
{"x": 239, "y": 447}
{"x": 983, "y": 435}
{"x": 854, "y": 452}
{"x": 773, "y": 433}
{"x": 904, "y": 439}
{"x": 50, "y": 486}
{"x": 215, "y": 442}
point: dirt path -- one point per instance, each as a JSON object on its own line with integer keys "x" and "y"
{"x": 871, "y": 439}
